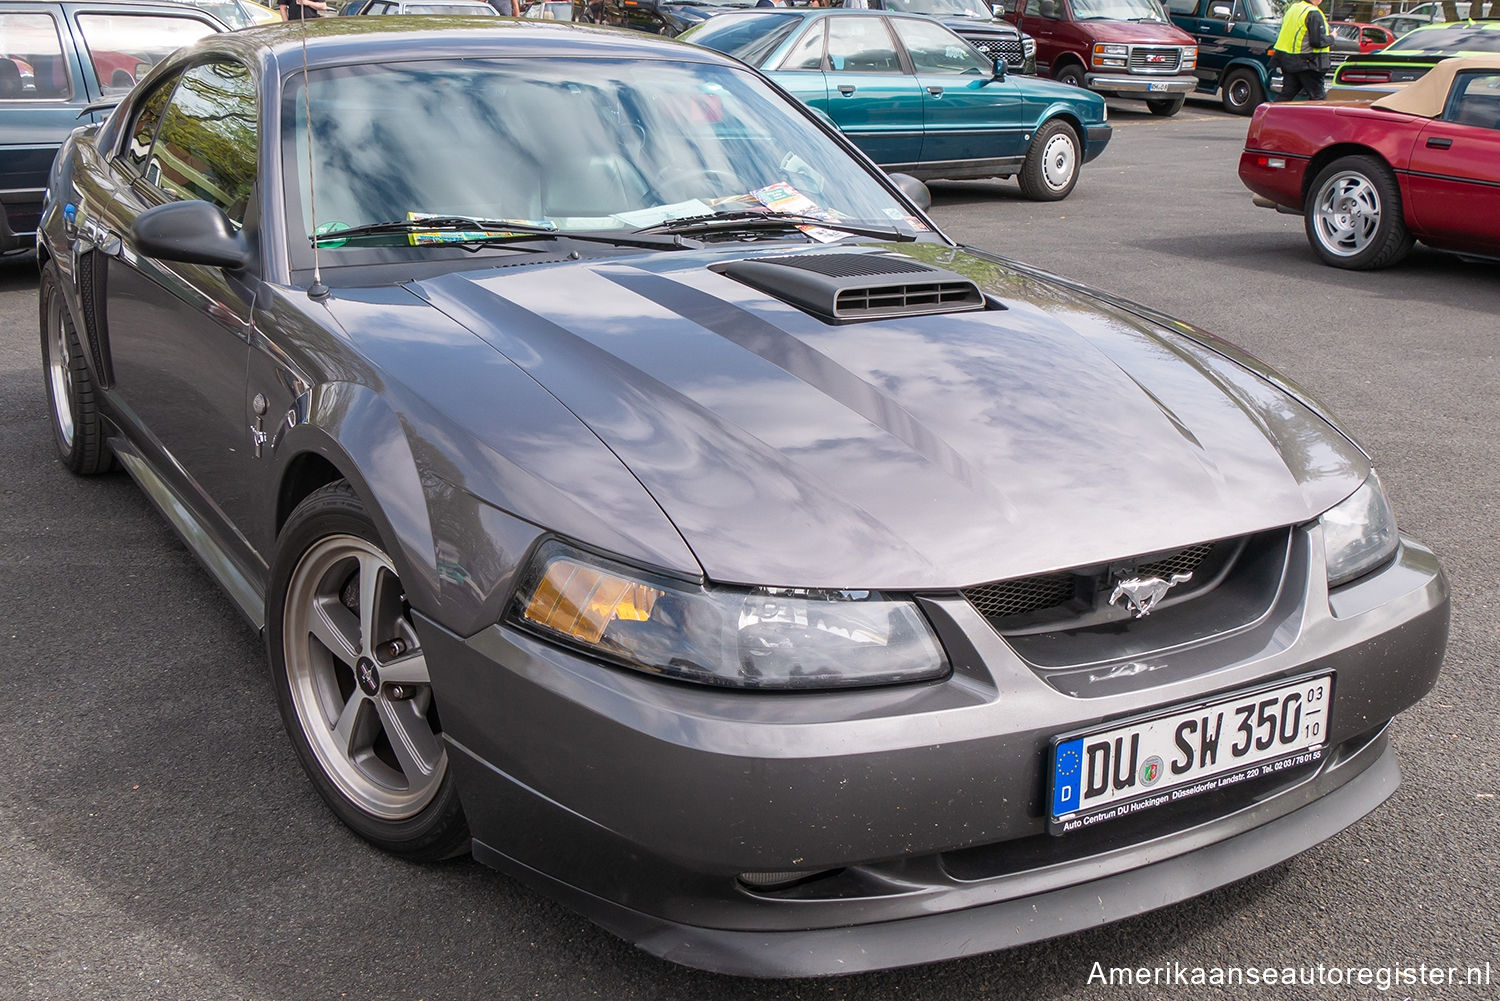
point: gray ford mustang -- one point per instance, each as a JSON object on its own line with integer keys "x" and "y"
{"x": 637, "y": 491}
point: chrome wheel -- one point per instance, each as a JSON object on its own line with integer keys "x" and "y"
{"x": 1059, "y": 161}
{"x": 1346, "y": 214}
{"x": 60, "y": 371}
{"x": 358, "y": 679}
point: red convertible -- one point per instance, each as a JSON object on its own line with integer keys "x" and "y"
{"x": 1370, "y": 179}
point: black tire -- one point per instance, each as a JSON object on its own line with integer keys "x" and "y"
{"x": 1071, "y": 74}
{"x": 1052, "y": 163}
{"x": 72, "y": 399}
{"x": 1165, "y": 107}
{"x": 398, "y": 794}
{"x": 1242, "y": 92}
{"x": 1354, "y": 217}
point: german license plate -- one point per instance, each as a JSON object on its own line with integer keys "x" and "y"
{"x": 1137, "y": 765}
{"x": 1156, "y": 86}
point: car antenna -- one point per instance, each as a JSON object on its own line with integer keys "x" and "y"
{"x": 317, "y": 290}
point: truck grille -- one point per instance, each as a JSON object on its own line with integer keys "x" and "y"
{"x": 1147, "y": 59}
{"x": 1008, "y": 49}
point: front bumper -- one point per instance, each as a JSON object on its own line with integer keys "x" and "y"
{"x": 1151, "y": 87}
{"x": 1095, "y": 138}
{"x": 900, "y": 825}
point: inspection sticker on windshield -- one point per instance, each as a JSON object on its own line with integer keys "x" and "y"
{"x": 1127, "y": 768}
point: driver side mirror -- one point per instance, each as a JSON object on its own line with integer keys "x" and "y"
{"x": 190, "y": 233}
{"x": 1222, "y": 11}
{"x": 914, "y": 190}
{"x": 999, "y": 69}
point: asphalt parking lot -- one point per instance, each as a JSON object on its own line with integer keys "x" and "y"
{"x": 158, "y": 839}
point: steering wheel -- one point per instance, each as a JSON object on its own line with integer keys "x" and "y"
{"x": 711, "y": 181}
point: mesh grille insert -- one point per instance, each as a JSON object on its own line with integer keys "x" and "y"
{"x": 901, "y": 298}
{"x": 1003, "y": 599}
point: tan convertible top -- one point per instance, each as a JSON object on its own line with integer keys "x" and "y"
{"x": 1428, "y": 95}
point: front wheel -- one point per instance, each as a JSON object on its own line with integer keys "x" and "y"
{"x": 351, "y": 679}
{"x": 1242, "y": 92}
{"x": 1354, "y": 216}
{"x": 1165, "y": 107}
{"x": 72, "y": 397}
{"x": 1052, "y": 163}
{"x": 1072, "y": 75}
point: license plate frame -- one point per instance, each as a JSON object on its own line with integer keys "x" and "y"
{"x": 1308, "y": 746}
{"x": 1156, "y": 87}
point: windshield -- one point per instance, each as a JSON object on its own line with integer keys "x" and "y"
{"x": 1450, "y": 38}
{"x": 1262, "y": 10}
{"x": 565, "y": 145}
{"x": 943, "y": 8}
{"x": 1117, "y": 10}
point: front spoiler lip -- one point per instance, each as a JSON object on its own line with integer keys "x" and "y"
{"x": 933, "y": 937}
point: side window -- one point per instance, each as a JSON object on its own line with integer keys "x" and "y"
{"x": 122, "y": 47}
{"x": 32, "y": 66}
{"x": 935, "y": 49}
{"x": 1475, "y": 100}
{"x": 206, "y": 146}
{"x": 807, "y": 54}
{"x": 143, "y": 129}
{"x": 861, "y": 45}
{"x": 1375, "y": 35}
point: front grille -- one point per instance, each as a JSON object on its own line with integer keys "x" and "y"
{"x": 1007, "y": 598}
{"x": 1147, "y": 59}
{"x": 1008, "y": 49}
{"x": 884, "y": 300}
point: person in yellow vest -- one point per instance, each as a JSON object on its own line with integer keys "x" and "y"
{"x": 1302, "y": 49}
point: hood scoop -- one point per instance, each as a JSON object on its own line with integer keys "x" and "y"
{"x": 849, "y": 288}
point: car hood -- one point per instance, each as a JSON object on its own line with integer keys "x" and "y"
{"x": 1136, "y": 32}
{"x": 913, "y": 453}
{"x": 979, "y": 26}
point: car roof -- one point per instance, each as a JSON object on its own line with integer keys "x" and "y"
{"x": 338, "y": 40}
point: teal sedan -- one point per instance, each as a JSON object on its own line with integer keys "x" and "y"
{"x": 917, "y": 98}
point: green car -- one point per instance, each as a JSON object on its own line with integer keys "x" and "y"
{"x": 917, "y": 98}
{"x": 1417, "y": 51}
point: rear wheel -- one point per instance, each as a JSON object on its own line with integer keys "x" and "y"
{"x": 1354, "y": 216}
{"x": 72, "y": 398}
{"x": 1165, "y": 107}
{"x": 1072, "y": 75}
{"x": 351, "y": 678}
{"x": 1242, "y": 92}
{"x": 1052, "y": 163}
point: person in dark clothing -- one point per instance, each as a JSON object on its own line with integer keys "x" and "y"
{"x": 296, "y": 10}
{"x": 1301, "y": 50}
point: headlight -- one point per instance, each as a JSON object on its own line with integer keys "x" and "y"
{"x": 1028, "y": 46}
{"x": 1106, "y": 54}
{"x": 1189, "y": 57}
{"x": 767, "y": 638}
{"x": 1359, "y": 533}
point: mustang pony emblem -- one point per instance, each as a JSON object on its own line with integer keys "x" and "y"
{"x": 1142, "y": 593}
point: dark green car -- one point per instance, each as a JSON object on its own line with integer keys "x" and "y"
{"x": 1413, "y": 54}
{"x": 917, "y": 98}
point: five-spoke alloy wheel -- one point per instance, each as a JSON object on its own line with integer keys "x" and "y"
{"x": 352, "y": 677}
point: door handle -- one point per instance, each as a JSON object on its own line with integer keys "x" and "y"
{"x": 1439, "y": 142}
{"x": 846, "y": 89}
{"x": 935, "y": 91}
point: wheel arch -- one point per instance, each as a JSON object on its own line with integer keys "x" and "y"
{"x": 1065, "y": 60}
{"x": 1331, "y": 153}
{"x": 347, "y": 432}
{"x": 1258, "y": 68}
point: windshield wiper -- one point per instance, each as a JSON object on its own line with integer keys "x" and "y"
{"x": 752, "y": 220}
{"x": 487, "y": 233}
